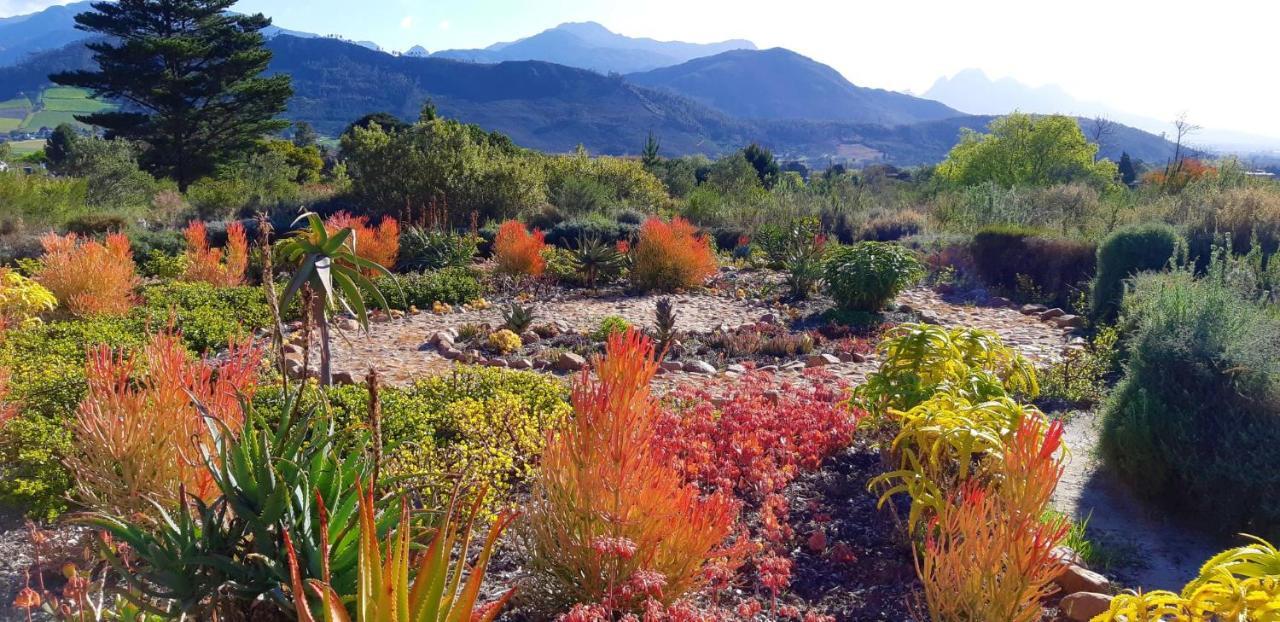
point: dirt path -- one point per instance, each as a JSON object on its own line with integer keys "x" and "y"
{"x": 1153, "y": 552}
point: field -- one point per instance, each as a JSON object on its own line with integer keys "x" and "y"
{"x": 26, "y": 147}
{"x": 54, "y": 106}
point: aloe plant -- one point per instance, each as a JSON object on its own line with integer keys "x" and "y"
{"x": 517, "y": 318}
{"x": 596, "y": 260}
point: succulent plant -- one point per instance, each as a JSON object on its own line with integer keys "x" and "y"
{"x": 517, "y": 318}
{"x": 665, "y": 325}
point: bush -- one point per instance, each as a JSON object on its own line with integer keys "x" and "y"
{"x": 1238, "y": 215}
{"x": 207, "y": 265}
{"x": 453, "y": 286}
{"x": 568, "y": 233}
{"x": 866, "y": 276}
{"x": 609, "y": 325}
{"x": 208, "y": 317}
{"x": 92, "y": 225}
{"x": 430, "y": 249}
{"x": 891, "y": 227}
{"x": 517, "y": 251}
{"x": 1122, "y": 255}
{"x": 380, "y": 244}
{"x": 671, "y": 256}
{"x": 1032, "y": 267}
{"x": 1194, "y": 425}
{"x": 89, "y": 277}
{"x": 35, "y": 481}
{"x": 22, "y": 300}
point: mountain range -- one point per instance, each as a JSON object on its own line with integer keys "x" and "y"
{"x": 710, "y": 104}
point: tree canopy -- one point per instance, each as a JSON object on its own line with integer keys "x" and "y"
{"x": 1026, "y": 150}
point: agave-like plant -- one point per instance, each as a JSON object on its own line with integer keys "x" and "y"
{"x": 330, "y": 265}
{"x": 517, "y": 318}
{"x": 436, "y": 592}
{"x": 596, "y": 260}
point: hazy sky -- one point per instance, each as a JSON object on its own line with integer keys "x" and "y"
{"x": 1215, "y": 61}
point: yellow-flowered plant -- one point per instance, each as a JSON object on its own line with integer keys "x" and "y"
{"x": 1237, "y": 585}
{"x": 504, "y": 341}
{"x": 22, "y": 300}
{"x": 921, "y": 360}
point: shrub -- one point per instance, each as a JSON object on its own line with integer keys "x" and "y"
{"x": 93, "y": 225}
{"x": 88, "y": 277}
{"x": 1026, "y": 264}
{"x": 1194, "y": 425}
{"x": 453, "y": 286}
{"x": 607, "y": 509}
{"x": 32, "y": 448}
{"x": 671, "y": 256}
{"x": 207, "y": 265}
{"x": 567, "y": 233}
{"x": 517, "y": 251}
{"x": 210, "y": 318}
{"x": 1238, "y": 215}
{"x": 22, "y": 300}
{"x": 144, "y": 443}
{"x": 161, "y": 265}
{"x": 504, "y": 341}
{"x": 866, "y": 276}
{"x": 597, "y": 261}
{"x": 609, "y": 326}
{"x": 428, "y": 249}
{"x": 891, "y": 227}
{"x": 1122, "y": 255}
{"x": 380, "y": 244}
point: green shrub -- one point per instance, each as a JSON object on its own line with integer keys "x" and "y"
{"x": 453, "y": 286}
{"x": 93, "y": 225}
{"x": 1031, "y": 266}
{"x": 609, "y": 325}
{"x": 867, "y": 275}
{"x": 569, "y": 232}
{"x": 162, "y": 265}
{"x": 33, "y": 476}
{"x": 144, "y": 242}
{"x": 429, "y": 249}
{"x": 1122, "y": 255}
{"x": 1194, "y": 425}
{"x": 890, "y": 227}
{"x": 209, "y": 317}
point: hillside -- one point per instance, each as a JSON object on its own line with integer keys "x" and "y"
{"x": 50, "y": 29}
{"x": 589, "y": 45}
{"x": 780, "y": 84}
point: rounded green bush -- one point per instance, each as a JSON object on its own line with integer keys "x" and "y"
{"x": 1127, "y": 252}
{"x": 867, "y": 275}
{"x": 1194, "y": 425}
{"x": 452, "y": 286}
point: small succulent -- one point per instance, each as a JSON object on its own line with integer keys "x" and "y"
{"x": 597, "y": 260}
{"x": 517, "y": 318}
{"x": 665, "y": 325}
{"x": 504, "y": 341}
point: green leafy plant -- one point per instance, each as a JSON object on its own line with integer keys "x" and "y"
{"x": 866, "y": 276}
{"x": 517, "y": 318}
{"x": 610, "y": 325}
{"x": 424, "y": 249}
{"x": 598, "y": 260}
{"x": 1125, "y": 253}
{"x": 453, "y": 286}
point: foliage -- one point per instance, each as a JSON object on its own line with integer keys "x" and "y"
{"x": 306, "y": 160}
{"x": 195, "y": 69}
{"x": 111, "y": 174}
{"x": 386, "y": 594}
{"x": 380, "y": 244}
{"x": 580, "y": 185}
{"x": 664, "y": 325}
{"x": 570, "y": 232}
{"x": 137, "y": 441}
{"x": 1126, "y": 253}
{"x": 504, "y": 341}
{"x": 160, "y": 265}
{"x": 22, "y": 300}
{"x": 598, "y": 261}
{"x": 609, "y": 326}
{"x": 517, "y": 318}
{"x": 920, "y": 360}
{"x": 31, "y": 450}
{"x": 1056, "y": 267}
{"x": 1026, "y": 150}
{"x": 670, "y": 256}
{"x": 1193, "y": 423}
{"x": 891, "y": 227}
{"x": 1176, "y": 176}
{"x": 453, "y": 286}
{"x": 519, "y": 252}
{"x": 610, "y": 521}
{"x": 429, "y": 249}
{"x": 1080, "y": 377}
{"x": 799, "y": 248}
{"x": 867, "y": 275}
{"x": 88, "y": 277}
{"x": 218, "y": 267}
{"x": 210, "y": 318}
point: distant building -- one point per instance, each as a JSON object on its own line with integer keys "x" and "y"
{"x": 1260, "y": 174}
{"x": 4, "y": 167}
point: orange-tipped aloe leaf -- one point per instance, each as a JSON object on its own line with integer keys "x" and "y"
{"x": 330, "y": 601}
{"x": 295, "y": 578}
{"x": 466, "y": 602}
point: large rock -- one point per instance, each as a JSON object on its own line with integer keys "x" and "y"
{"x": 1084, "y": 606}
{"x": 343, "y": 377}
{"x": 821, "y": 360}
{"x": 1078, "y": 579}
{"x": 522, "y": 364}
{"x": 699, "y": 367}
{"x": 569, "y": 361}
{"x": 348, "y": 324}
{"x": 671, "y": 366}
{"x": 1069, "y": 321}
{"x": 1033, "y": 309}
{"x": 1050, "y": 314}
{"x": 442, "y": 339}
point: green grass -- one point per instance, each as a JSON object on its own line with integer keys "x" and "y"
{"x": 66, "y": 99}
{"x": 26, "y": 147}
{"x": 8, "y": 124}
{"x": 54, "y": 106}
{"x": 64, "y": 92}
{"x": 17, "y": 103}
{"x": 49, "y": 119}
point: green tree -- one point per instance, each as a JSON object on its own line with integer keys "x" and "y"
{"x": 762, "y": 160}
{"x": 189, "y": 72}
{"x": 649, "y": 155}
{"x": 1128, "y": 173}
{"x": 59, "y": 145}
{"x": 110, "y": 168}
{"x": 1026, "y": 150}
{"x": 304, "y": 135}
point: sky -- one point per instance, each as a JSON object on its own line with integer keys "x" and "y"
{"x": 1213, "y": 61}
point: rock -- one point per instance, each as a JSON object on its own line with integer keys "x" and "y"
{"x": 397, "y": 314}
{"x": 855, "y": 357}
{"x": 441, "y": 338}
{"x": 928, "y": 317}
{"x": 769, "y": 368}
{"x": 672, "y": 366}
{"x": 1069, "y": 321}
{"x": 736, "y": 368}
{"x": 522, "y": 364}
{"x": 1051, "y": 313}
{"x": 769, "y": 318}
{"x": 569, "y": 361}
{"x": 1084, "y": 606}
{"x": 1033, "y": 309}
{"x": 496, "y": 363}
{"x": 1068, "y": 555}
{"x": 529, "y": 336}
{"x": 821, "y": 360}
{"x": 699, "y": 367}
{"x": 349, "y": 324}
{"x": 292, "y": 348}
{"x": 1077, "y": 579}
{"x": 343, "y": 377}
{"x": 1000, "y": 301}
{"x": 451, "y": 353}
{"x": 905, "y": 308}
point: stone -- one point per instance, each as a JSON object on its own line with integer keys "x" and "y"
{"x": 820, "y": 360}
{"x": 769, "y": 368}
{"x": 569, "y": 361}
{"x": 672, "y": 366}
{"x": 1049, "y": 314}
{"x": 528, "y": 337}
{"x": 769, "y": 318}
{"x": 736, "y": 368}
{"x": 1078, "y": 579}
{"x": 928, "y": 317}
{"x": 1068, "y": 555}
{"x": 496, "y": 363}
{"x": 522, "y": 364}
{"x": 343, "y": 377}
{"x": 349, "y": 324}
{"x": 999, "y": 301}
{"x": 1069, "y": 321}
{"x": 451, "y": 353}
{"x": 699, "y": 367}
{"x": 292, "y": 348}
{"x": 1084, "y": 606}
{"x": 1033, "y": 309}
{"x": 397, "y": 314}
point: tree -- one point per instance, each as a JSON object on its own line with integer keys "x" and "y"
{"x": 58, "y": 147}
{"x": 1100, "y": 131}
{"x": 189, "y": 74}
{"x": 304, "y": 135}
{"x": 1128, "y": 173}
{"x": 385, "y": 120}
{"x": 762, "y": 160}
{"x": 110, "y": 170}
{"x": 649, "y": 156}
{"x": 1026, "y": 150}
{"x": 1173, "y": 170}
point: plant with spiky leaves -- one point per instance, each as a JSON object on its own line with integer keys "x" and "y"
{"x": 517, "y": 318}
{"x": 597, "y": 260}
{"x": 664, "y": 327}
{"x": 333, "y": 268}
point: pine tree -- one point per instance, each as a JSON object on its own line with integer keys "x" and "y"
{"x": 58, "y": 147}
{"x": 304, "y": 135}
{"x": 1128, "y": 174}
{"x": 649, "y": 156}
{"x": 188, "y": 73}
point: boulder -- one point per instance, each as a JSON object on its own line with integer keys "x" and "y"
{"x": 999, "y": 301}
{"x": 528, "y": 337}
{"x": 699, "y": 367}
{"x": 496, "y": 363}
{"x": 521, "y": 364}
{"x": 348, "y": 324}
{"x": 451, "y": 353}
{"x": 672, "y": 366}
{"x": 1033, "y": 309}
{"x": 821, "y": 360}
{"x": 1050, "y": 314}
{"x": 343, "y": 377}
{"x": 736, "y": 369}
{"x": 1079, "y": 579}
{"x": 769, "y": 318}
{"x": 1084, "y": 606}
{"x": 1069, "y": 321}
{"x": 1068, "y": 555}
{"x": 569, "y": 361}
{"x": 441, "y": 338}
